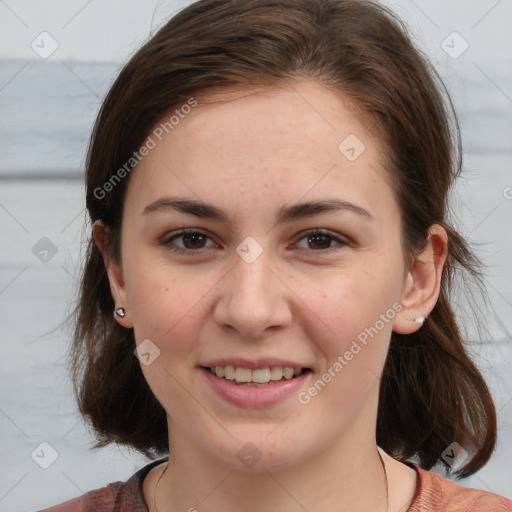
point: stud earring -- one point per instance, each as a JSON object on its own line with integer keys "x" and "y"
{"x": 120, "y": 312}
{"x": 418, "y": 319}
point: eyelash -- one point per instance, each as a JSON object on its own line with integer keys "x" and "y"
{"x": 314, "y": 232}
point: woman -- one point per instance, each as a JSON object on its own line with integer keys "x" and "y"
{"x": 266, "y": 295}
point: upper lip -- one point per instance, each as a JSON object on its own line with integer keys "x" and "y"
{"x": 253, "y": 364}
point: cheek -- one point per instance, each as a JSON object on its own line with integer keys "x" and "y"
{"x": 162, "y": 304}
{"x": 357, "y": 310}
{"x": 357, "y": 319}
{"x": 167, "y": 304}
{"x": 351, "y": 302}
{"x": 166, "y": 310}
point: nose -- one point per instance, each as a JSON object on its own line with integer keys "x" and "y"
{"x": 253, "y": 298}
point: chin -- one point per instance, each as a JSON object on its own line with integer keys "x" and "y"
{"x": 258, "y": 454}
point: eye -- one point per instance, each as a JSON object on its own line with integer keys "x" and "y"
{"x": 192, "y": 240}
{"x": 322, "y": 240}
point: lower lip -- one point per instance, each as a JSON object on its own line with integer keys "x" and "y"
{"x": 252, "y": 396}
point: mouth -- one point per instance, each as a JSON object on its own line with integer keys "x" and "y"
{"x": 257, "y": 377}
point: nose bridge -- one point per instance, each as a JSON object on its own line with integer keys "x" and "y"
{"x": 252, "y": 297}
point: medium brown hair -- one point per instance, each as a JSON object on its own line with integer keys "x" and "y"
{"x": 431, "y": 393}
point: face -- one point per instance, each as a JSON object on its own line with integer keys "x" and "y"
{"x": 258, "y": 283}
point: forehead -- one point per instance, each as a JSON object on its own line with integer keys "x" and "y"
{"x": 281, "y": 141}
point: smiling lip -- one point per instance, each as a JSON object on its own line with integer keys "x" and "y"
{"x": 254, "y": 364}
{"x": 249, "y": 396}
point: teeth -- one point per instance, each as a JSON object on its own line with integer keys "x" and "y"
{"x": 243, "y": 375}
{"x": 260, "y": 376}
{"x": 276, "y": 373}
{"x": 288, "y": 373}
{"x": 229, "y": 372}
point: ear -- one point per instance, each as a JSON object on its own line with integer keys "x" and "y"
{"x": 115, "y": 274}
{"x": 423, "y": 282}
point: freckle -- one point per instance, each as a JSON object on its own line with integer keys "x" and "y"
{"x": 167, "y": 289}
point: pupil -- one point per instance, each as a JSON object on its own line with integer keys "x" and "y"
{"x": 195, "y": 236}
{"x": 315, "y": 239}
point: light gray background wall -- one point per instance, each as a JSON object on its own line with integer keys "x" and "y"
{"x": 48, "y": 104}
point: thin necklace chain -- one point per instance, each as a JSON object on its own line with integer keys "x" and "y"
{"x": 381, "y": 461}
{"x": 157, "y": 482}
{"x": 385, "y": 480}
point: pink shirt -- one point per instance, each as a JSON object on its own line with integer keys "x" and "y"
{"x": 434, "y": 493}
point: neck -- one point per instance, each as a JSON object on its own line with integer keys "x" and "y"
{"x": 338, "y": 478}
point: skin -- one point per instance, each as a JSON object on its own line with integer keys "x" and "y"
{"x": 251, "y": 152}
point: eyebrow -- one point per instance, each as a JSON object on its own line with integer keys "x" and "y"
{"x": 286, "y": 213}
